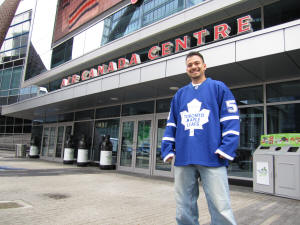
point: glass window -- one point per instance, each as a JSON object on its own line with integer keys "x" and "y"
{"x": 163, "y": 105}
{"x": 283, "y": 118}
{"x": 3, "y": 100}
{"x": 6, "y": 79}
{"x": 287, "y": 91}
{"x": 2, "y": 120}
{"x": 26, "y": 26}
{"x": 12, "y": 99}
{"x": 86, "y": 129}
{"x": 138, "y": 108}
{"x": 18, "y": 121}
{"x": 2, "y": 129}
{"x": 24, "y": 39}
{"x": 281, "y": 12}
{"x": 27, "y": 129}
{"x": 62, "y": 53}
{"x": 252, "y": 127}
{"x": 16, "y": 77}
{"x": 113, "y": 111}
{"x": 27, "y": 121}
{"x": 9, "y": 120}
{"x": 18, "y": 129}
{"x": 84, "y": 115}
{"x": 159, "y": 164}
{"x": 9, "y": 129}
{"x": 66, "y": 117}
{"x": 248, "y": 95}
{"x": 102, "y": 128}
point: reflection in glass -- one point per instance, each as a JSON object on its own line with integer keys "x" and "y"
{"x": 127, "y": 143}
{"x": 139, "y": 108}
{"x": 251, "y": 123}
{"x": 39, "y": 58}
{"x": 133, "y": 17}
{"x": 283, "y": 118}
{"x": 45, "y": 141}
{"x": 163, "y": 105}
{"x": 143, "y": 144}
{"x": 159, "y": 164}
{"x": 286, "y": 91}
{"x": 59, "y": 142}
{"x": 106, "y": 127}
{"x": 51, "y": 142}
{"x": 248, "y": 95}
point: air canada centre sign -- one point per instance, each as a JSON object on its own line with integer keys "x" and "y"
{"x": 220, "y": 31}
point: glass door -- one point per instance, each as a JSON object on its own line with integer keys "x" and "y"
{"x": 160, "y": 168}
{"x": 63, "y": 131}
{"x": 136, "y": 144}
{"x": 48, "y": 145}
{"x": 53, "y": 140}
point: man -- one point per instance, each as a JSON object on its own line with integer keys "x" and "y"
{"x": 202, "y": 132}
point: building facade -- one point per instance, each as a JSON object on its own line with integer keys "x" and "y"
{"x": 112, "y": 68}
{"x": 12, "y": 61}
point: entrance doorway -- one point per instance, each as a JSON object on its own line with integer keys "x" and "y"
{"x": 136, "y": 144}
{"x": 53, "y": 140}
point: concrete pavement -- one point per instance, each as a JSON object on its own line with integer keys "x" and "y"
{"x": 36, "y": 192}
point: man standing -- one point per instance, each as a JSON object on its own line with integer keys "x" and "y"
{"x": 203, "y": 133}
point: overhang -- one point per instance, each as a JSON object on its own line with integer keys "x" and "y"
{"x": 267, "y": 55}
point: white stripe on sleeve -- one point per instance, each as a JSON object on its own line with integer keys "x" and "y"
{"x": 168, "y": 139}
{"x": 224, "y": 154}
{"x": 229, "y": 118}
{"x": 171, "y": 124}
{"x": 231, "y": 132}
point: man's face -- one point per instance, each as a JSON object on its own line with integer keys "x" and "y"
{"x": 195, "y": 67}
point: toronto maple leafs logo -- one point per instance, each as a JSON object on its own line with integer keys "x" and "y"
{"x": 194, "y": 118}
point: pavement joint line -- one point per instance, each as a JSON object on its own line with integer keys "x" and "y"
{"x": 268, "y": 206}
{"x": 270, "y": 220}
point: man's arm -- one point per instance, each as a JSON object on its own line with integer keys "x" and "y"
{"x": 230, "y": 125}
{"x": 168, "y": 140}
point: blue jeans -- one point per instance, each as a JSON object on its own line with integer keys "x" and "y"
{"x": 215, "y": 185}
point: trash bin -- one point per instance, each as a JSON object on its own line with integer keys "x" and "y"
{"x": 82, "y": 154}
{"x": 276, "y": 168}
{"x": 106, "y": 148}
{"x": 287, "y": 172}
{"x": 69, "y": 150}
{"x": 34, "y": 150}
{"x": 263, "y": 169}
{"x": 20, "y": 151}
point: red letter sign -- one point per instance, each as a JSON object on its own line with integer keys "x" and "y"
{"x": 244, "y": 24}
{"x": 167, "y": 48}
{"x": 102, "y": 69}
{"x": 221, "y": 31}
{"x": 153, "y": 52}
{"x": 135, "y": 59}
{"x": 200, "y": 36}
{"x": 122, "y": 63}
{"x": 182, "y": 45}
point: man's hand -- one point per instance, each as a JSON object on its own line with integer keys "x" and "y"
{"x": 220, "y": 156}
{"x": 169, "y": 160}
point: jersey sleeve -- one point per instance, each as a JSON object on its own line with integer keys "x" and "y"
{"x": 230, "y": 125}
{"x": 168, "y": 140}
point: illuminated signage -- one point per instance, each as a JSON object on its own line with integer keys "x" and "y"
{"x": 221, "y": 31}
{"x": 71, "y": 14}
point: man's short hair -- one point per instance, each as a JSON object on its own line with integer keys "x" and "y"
{"x": 193, "y": 54}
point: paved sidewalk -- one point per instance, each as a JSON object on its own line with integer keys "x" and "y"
{"x": 54, "y": 193}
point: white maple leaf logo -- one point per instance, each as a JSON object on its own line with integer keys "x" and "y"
{"x": 194, "y": 118}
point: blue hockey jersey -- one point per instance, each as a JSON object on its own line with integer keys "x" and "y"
{"x": 203, "y": 122}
